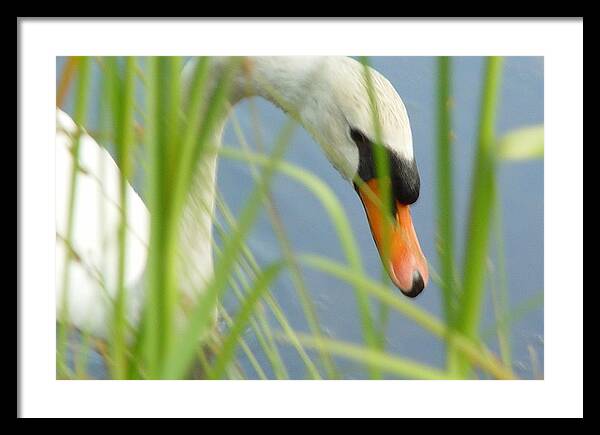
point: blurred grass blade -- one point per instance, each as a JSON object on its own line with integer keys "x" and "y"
{"x": 195, "y": 125}
{"x": 240, "y": 321}
{"x": 336, "y": 214}
{"x": 386, "y": 206}
{"x": 499, "y": 289}
{"x": 66, "y": 77}
{"x": 445, "y": 218}
{"x": 215, "y": 109}
{"x": 246, "y": 349}
{"x": 525, "y": 143}
{"x": 178, "y": 360}
{"x": 250, "y": 266}
{"x": 308, "y": 307}
{"x": 445, "y": 199}
{"x": 81, "y": 110}
{"x": 124, "y": 147}
{"x": 483, "y": 193}
{"x": 155, "y": 201}
{"x": 475, "y": 353}
{"x": 517, "y": 313}
{"x": 535, "y": 363}
{"x": 164, "y": 133}
{"x": 170, "y": 110}
{"x": 382, "y": 163}
{"x": 382, "y": 361}
{"x": 169, "y": 92}
{"x": 259, "y": 323}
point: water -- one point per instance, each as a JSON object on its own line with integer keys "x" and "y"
{"x": 521, "y": 190}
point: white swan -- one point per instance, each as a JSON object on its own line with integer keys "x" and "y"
{"x": 330, "y": 97}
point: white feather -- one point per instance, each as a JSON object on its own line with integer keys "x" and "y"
{"x": 93, "y": 272}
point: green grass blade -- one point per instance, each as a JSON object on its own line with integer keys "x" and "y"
{"x": 445, "y": 201}
{"x": 240, "y": 321}
{"x": 171, "y": 99}
{"x": 81, "y": 358}
{"x": 382, "y": 163}
{"x": 216, "y": 106}
{"x": 244, "y": 346}
{"x": 383, "y": 362}
{"x": 164, "y": 132}
{"x": 523, "y": 144}
{"x": 336, "y": 214}
{"x": 195, "y": 103}
{"x": 516, "y": 314}
{"x": 124, "y": 145}
{"x": 258, "y": 323}
{"x": 445, "y": 218}
{"x": 481, "y": 208}
{"x": 500, "y": 290}
{"x": 308, "y": 307}
{"x": 169, "y": 92}
{"x": 66, "y": 77}
{"x": 250, "y": 265}
{"x": 475, "y": 353}
{"x": 81, "y": 110}
{"x": 154, "y": 197}
{"x": 178, "y": 361}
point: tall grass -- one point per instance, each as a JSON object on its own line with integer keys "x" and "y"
{"x": 178, "y": 127}
{"x": 483, "y": 197}
{"x": 445, "y": 198}
{"x": 80, "y": 118}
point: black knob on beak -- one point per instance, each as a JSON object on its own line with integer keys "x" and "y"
{"x": 417, "y": 285}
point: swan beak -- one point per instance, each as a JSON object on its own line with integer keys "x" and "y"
{"x": 406, "y": 263}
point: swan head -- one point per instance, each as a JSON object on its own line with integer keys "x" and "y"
{"x": 338, "y": 111}
{"x": 332, "y": 97}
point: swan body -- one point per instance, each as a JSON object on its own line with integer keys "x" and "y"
{"x": 93, "y": 268}
{"x": 328, "y": 96}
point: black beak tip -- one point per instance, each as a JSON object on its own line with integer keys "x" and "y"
{"x": 417, "y": 286}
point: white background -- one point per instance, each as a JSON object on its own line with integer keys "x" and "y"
{"x": 560, "y": 394}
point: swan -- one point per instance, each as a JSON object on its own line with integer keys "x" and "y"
{"x": 330, "y": 98}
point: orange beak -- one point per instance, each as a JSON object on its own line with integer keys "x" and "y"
{"x": 400, "y": 251}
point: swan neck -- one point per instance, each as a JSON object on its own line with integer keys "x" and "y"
{"x": 281, "y": 80}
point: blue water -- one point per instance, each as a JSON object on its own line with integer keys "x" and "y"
{"x": 521, "y": 190}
